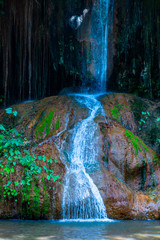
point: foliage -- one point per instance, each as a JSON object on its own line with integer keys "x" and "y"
{"x": 143, "y": 120}
{"x": 45, "y": 125}
{"x": 20, "y": 167}
{"x": 115, "y": 111}
{"x": 156, "y": 159}
{"x": 137, "y": 142}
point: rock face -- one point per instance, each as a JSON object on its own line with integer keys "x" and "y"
{"x": 128, "y": 176}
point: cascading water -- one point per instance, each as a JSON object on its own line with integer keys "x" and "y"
{"x": 81, "y": 197}
{"x": 99, "y": 45}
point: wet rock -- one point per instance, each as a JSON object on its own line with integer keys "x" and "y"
{"x": 136, "y": 114}
{"x": 127, "y": 173}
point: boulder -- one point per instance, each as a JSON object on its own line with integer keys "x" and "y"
{"x": 127, "y": 174}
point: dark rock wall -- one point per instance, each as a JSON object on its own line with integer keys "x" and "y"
{"x": 137, "y": 60}
{"x": 40, "y": 54}
{"x": 37, "y": 48}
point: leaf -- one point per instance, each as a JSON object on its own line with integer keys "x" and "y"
{"x": 14, "y": 131}
{"x": 9, "y": 182}
{"x": 11, "y": 152}
{"x": 50, "y": 161}
{"x": 2, "y": 136}
{"x": 7, "y": 170}
{"x": 158, "y": 119}
{"x": 2, "y": 128}
{"x": 44, "y": 158}
{"x": 48, "y": 177}
{"x": 12, "y": 170}
{"x": 23, "y": 182}
{"x": 26, "y": 151}
{"x": 17, "y": 152}
{"x": 15, "y": 113}
{"x": 16, "y": 183}
{"x": 54, "y": 178}
{"x": 55, "y": 161}
{"x": 8, "y": 110}
{"x": 45, "y": 168}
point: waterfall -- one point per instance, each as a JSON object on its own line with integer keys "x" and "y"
{"x": 81, "y": 197}
{"x": 99, "y": 43}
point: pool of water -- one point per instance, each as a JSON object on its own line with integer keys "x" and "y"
{"x": 45, "y": 230}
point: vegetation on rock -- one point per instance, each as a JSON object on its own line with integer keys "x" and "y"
{"x": 21, "y": 170}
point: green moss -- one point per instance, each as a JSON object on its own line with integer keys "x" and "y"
{"x": 136, "y": 142}
{"x": 46, "y": 200}
{"x": 46, "y": 204}
{"x": 26, "y": 210}
{"x": 44, "y": 124}
{"x": 30, "y": 202}
{"x": 1, "y": 192}
{"x": 36, "y": 202}
{"x": 156, "y": 159}
{"x": 115, "y": 111}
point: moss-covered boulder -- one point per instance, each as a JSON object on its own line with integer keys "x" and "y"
{"x": 140, "y": 116}
{"x": 127, "y": 173}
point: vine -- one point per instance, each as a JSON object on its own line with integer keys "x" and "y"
{"x": 19, "y": 167}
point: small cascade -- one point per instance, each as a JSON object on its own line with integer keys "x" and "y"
{"x": 81, "y": 197}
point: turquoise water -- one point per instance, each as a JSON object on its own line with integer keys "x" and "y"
{"x": 46, "y": 230}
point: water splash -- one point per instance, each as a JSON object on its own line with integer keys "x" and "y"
{"x": 81, "y": 197}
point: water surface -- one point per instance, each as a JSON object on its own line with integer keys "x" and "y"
{"x": 45, "y": 230}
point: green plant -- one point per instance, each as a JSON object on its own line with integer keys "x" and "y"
{"x": 143, "y": 120}
{"x": 115, "y": 111}
{"x": 136, "y": 142}
{"x": 15, "y": 158}
{"x": 158, "y": 139}
{"x": 46, "y": 125}
{"x": 156, "y": 159}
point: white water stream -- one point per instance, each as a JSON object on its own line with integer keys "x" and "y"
{"x": 99, "y": 33}
{"x": 81, "y": 197}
